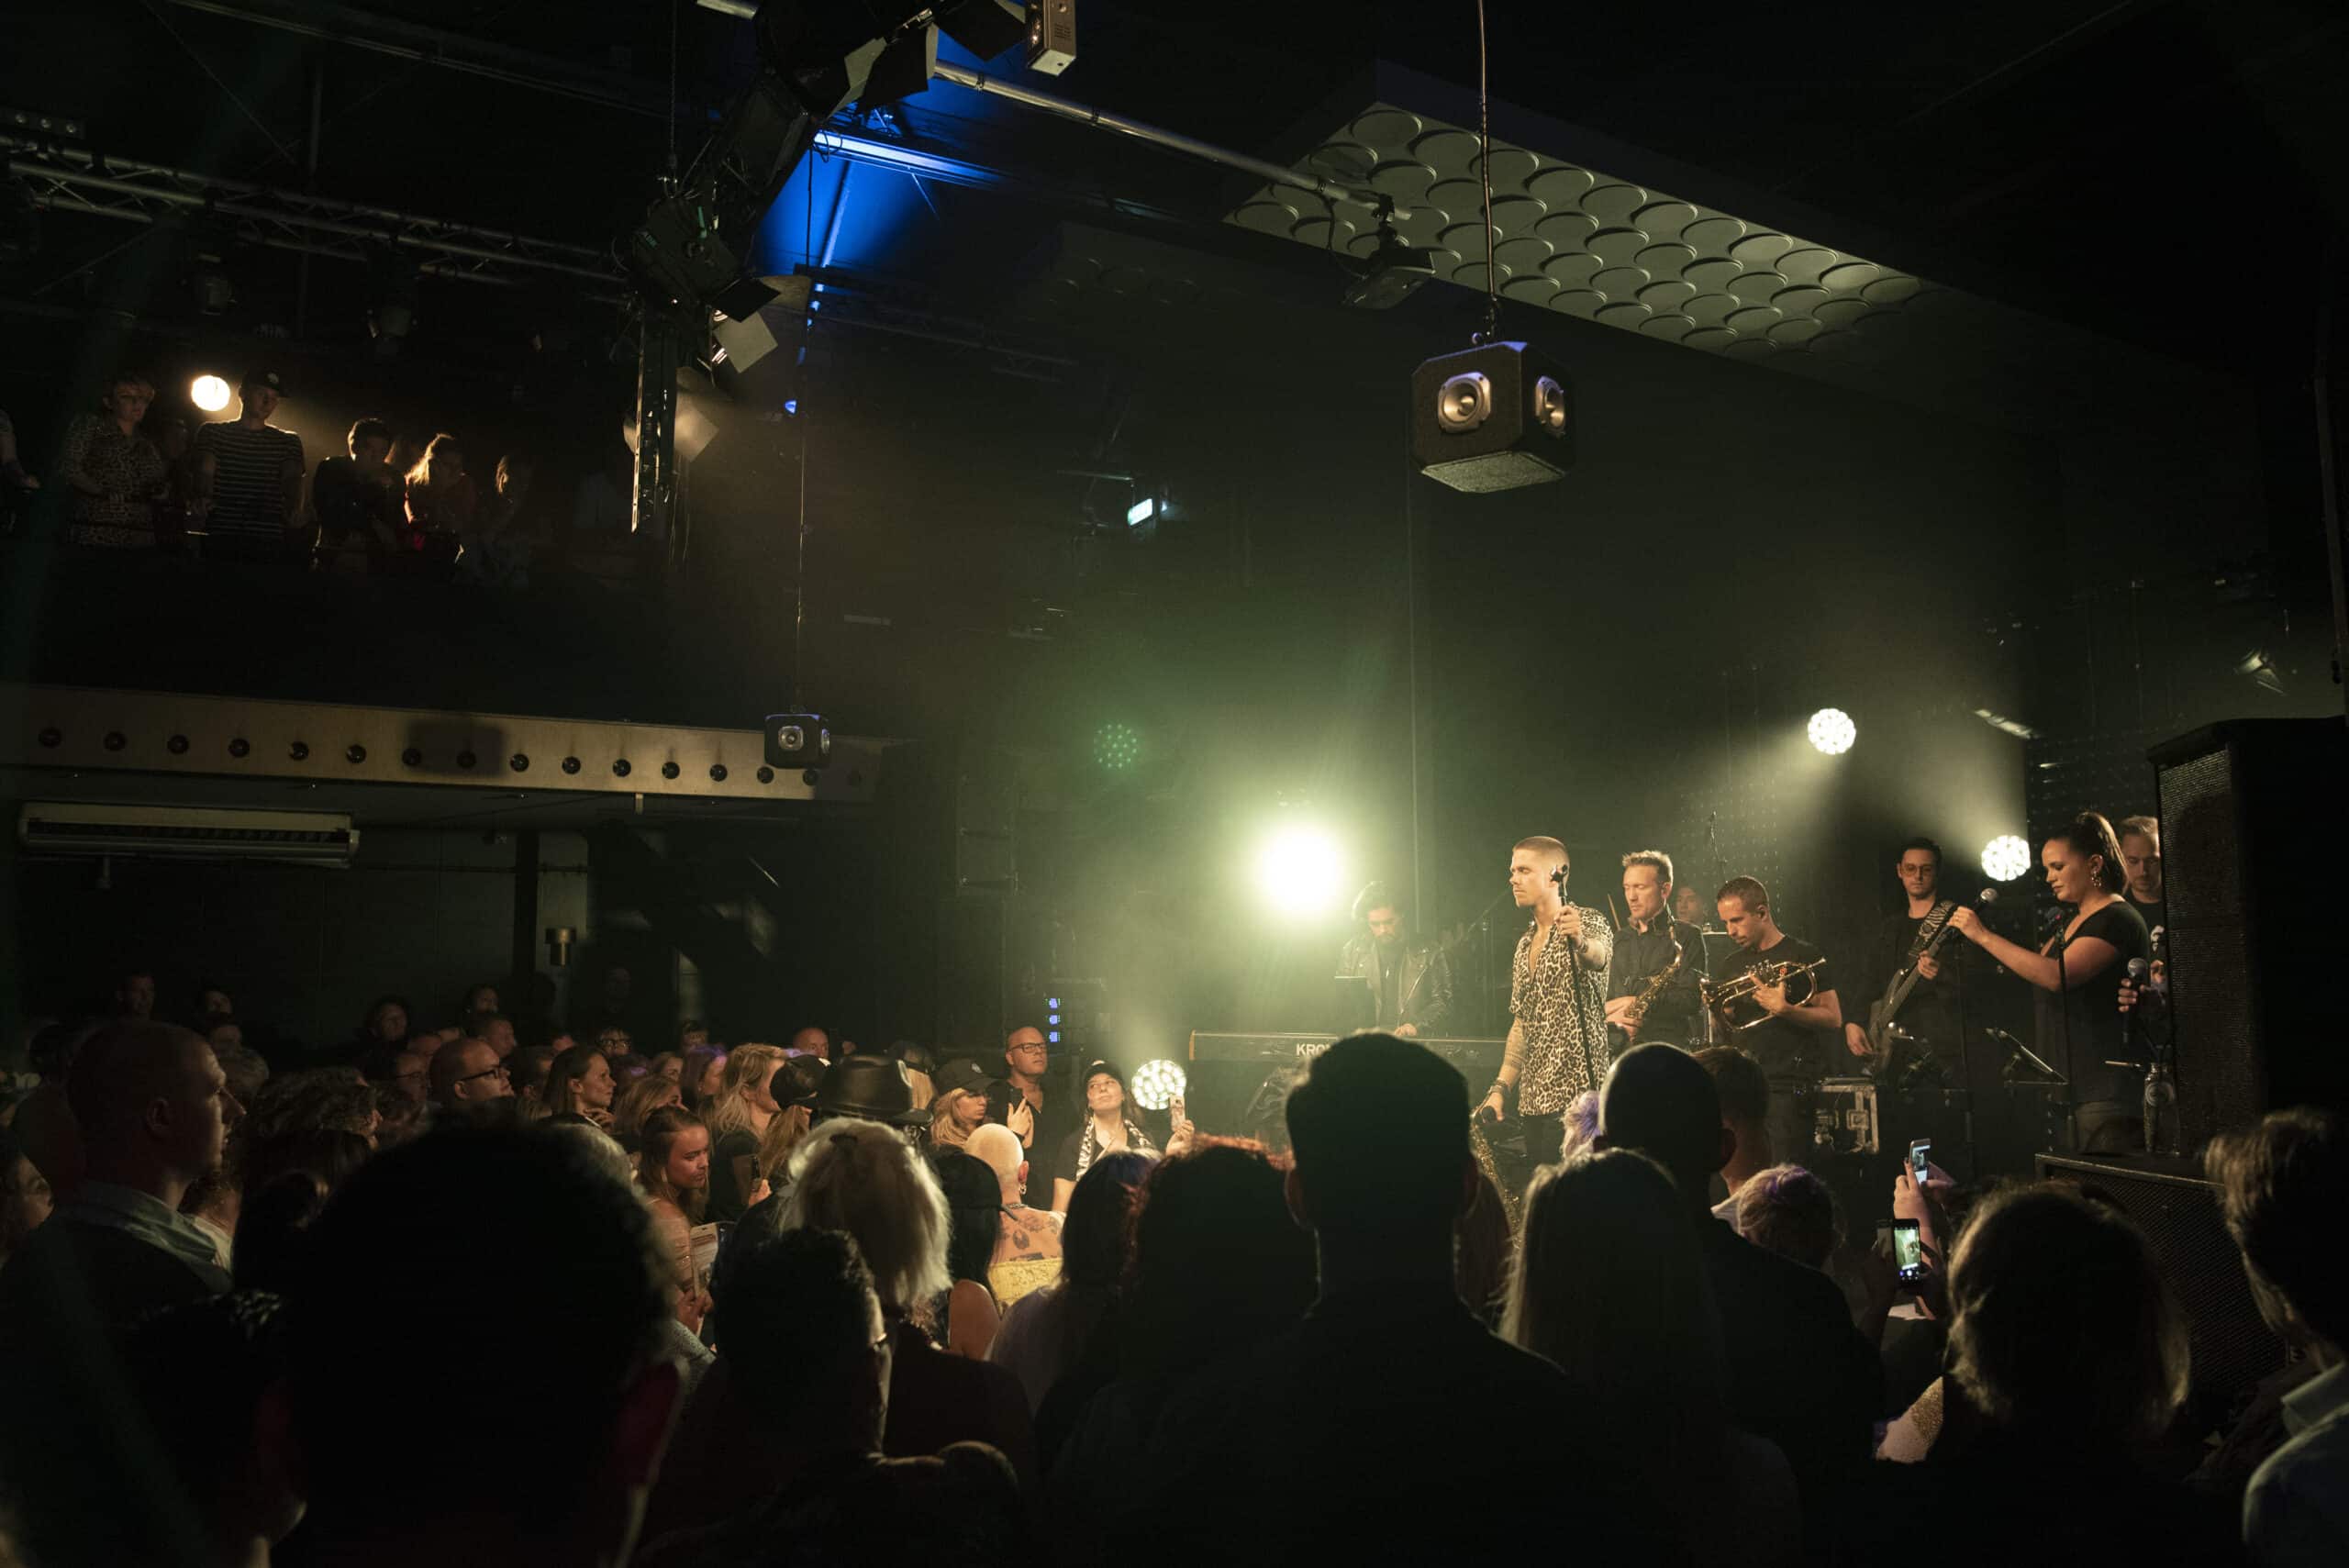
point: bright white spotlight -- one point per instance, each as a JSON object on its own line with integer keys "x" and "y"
{"x": 209, "y": 394}
{"x": 1833, "y": 731}
{"x": 1158, "y": 1085}
{"x": 2005, "y": 858}
{"x": 1299, "y": 871}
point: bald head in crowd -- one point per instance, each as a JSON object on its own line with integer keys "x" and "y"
{"x": 997, "y": 1147}
{"x": 152, "y": 1105}
{"x": 467, "y": 1073}
{"x": 812, "y": 1041}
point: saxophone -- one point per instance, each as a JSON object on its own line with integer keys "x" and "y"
{"x": 1657, "y": 983}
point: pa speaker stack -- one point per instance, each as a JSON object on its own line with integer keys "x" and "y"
{"x": 2255, "y": 857}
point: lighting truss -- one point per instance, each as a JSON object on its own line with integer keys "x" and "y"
{"x": 69, "y": 180}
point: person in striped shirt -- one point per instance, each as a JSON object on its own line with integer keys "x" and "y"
{"x": 249, "y": 476}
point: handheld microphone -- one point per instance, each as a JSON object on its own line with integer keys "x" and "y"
{"x": 2140, "y": 971}
{"x": 1987, "y": 895}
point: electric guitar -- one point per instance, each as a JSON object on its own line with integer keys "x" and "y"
{"x": 1887, "y": 1007}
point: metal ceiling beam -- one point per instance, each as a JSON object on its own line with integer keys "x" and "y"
{"x": 446, "y": 51}
{"x": 127, "y": 189}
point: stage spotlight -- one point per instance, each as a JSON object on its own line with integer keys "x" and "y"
{"x": 2005, "y": 858}
{"x": 1158, "y": 1085}
{"x": 209, "y": 393}
{"x": 1299, "y": 871}
{"x": 1833, "y": 731}
{"x": 1116, "y": 747}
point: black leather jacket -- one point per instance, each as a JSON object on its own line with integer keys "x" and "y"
{"x": 1424, "y": 988}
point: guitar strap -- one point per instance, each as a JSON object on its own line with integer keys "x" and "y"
{"x": 1927, "y": 930}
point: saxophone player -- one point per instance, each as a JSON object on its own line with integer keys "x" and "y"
{"x": 1654, "y": 949}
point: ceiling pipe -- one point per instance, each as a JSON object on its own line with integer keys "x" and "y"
{"x": 1102, "y": 119}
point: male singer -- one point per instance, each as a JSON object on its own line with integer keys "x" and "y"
{"x": 1557, "y": 1000}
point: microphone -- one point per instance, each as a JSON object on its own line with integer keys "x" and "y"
{"x": 1988, "y": 895}
{"x": 2140, "y": 971}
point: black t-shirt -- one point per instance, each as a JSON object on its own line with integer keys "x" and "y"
{"x": 1784, "y": 1047}
{"x": 1389, "y": 959}
{"x": 348, "y": 502}
{"x": 2099, "y": 1029}
{"x": 726, "y": 1200}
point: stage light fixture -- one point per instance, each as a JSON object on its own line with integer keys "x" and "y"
{"x": 1158, "y": 1083}
{"x": 1833, "y": 731}
{"x": 208, "y": 392}
{"x": 1141, "y": 511}
{"x": 1116, "y": 747}
{"x": 1299, "y": 871}
{"x": 2005, "y": 858}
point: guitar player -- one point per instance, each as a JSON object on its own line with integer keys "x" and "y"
{"x": 1930, "y": 1012}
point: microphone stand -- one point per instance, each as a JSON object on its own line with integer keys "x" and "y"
{"x": 2063, "y": 1015}
{"x": 1573, "y": 984}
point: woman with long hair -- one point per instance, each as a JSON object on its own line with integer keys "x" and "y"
{"x": 865, "y": 1178}
{"x": 1042, "y": 1334}
{"x": 958, "y": 1106}
{"x": 2069, "y": 1358}
{"x": 1108, "y": 1128}
{"x": 703, "y": 1075}
{"x": 1611, "y": 1285}
{"x": 650, "y": 1093}
{"x": 975, "y": 1209}
{"x": 2076, "y": 977}
{"x": 741, "y": 1117}
{"x": 1218, "y": 1265}
{"x": 441, "y": 499}
{"x": 672, "y": 1167}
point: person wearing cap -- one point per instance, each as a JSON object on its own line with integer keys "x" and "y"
{"x": 960, "y": 1106}
{"x": 249, "y": 476}
{"x": 1108, "y": 1128}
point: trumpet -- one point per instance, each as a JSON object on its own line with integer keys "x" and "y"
{"x": 1719, "y": 996}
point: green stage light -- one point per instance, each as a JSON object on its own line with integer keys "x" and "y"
{"x": 1116, "y": 747}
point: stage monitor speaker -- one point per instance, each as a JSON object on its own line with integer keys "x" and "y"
{"x": 2179, "y": 1212}
{"x": 2252, "y": 854}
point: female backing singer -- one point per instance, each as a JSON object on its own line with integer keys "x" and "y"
{"x": 2077, "y": 975}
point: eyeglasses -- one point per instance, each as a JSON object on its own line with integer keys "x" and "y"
{"x": 499, "y": 1071}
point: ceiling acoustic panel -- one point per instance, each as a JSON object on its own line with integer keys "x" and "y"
{"x": 1588, "y": 244}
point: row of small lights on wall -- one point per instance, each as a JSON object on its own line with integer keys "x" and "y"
{"x": 355, "y": 754}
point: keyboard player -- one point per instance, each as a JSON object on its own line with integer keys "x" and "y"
{"x": 1387, "y": 978}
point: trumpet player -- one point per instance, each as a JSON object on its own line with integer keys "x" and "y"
{"x": 1791, "y": 1038}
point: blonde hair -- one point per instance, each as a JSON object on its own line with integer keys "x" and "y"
{"x": 865, "y": 1178}
{"x": 945, "y": 1132}
{"x": 748, "y": 1067}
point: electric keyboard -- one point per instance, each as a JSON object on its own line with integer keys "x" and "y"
{"x": 1296, "y": 1050}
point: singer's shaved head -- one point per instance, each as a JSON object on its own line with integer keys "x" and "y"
{"x": 1546, "y": 852}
